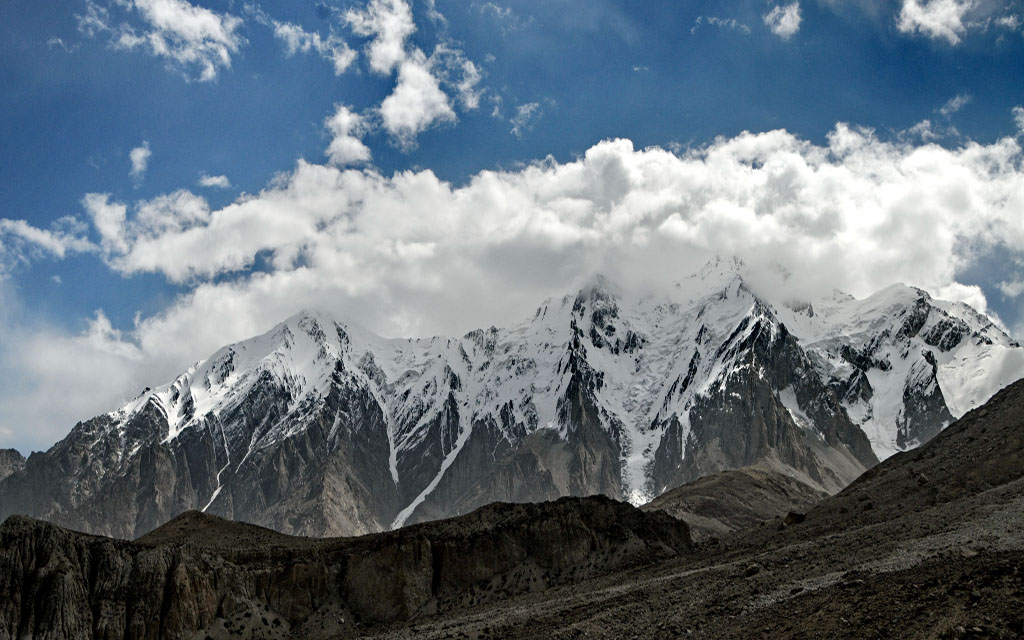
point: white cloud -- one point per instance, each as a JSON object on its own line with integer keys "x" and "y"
{"x": 526, "y": 114}
{"x": 417, "y": 102}
{"x": 214, "y": 182}
{"x": 453, "y": 68}
{"x": 190, "y": 38}
{"x": 109, "y": 219}
{"x": 58, "y": 43}
{"x": 388, "y": 23}
{"x": 298, "y": 40}
{"x": 347, "y": 129}
{"x": 507, "y": 19}
{"x": 784, "y": 20}
{"x": 125, "y": 242}
{"x": 140, "y": 160}
{"x": 89, "y": 373}
{"x": 729, "y": 24}
{"x": 955, "y": 104}
{"x": 1011, "y": 288}
{"x": 923, "y": 130}
{"x": 1012, "y": 21}
{"x": 864, "y": 212}
{"x": 20, "y": 241}
{"x": 1018, "y": 118}
{"x": 937, "y": 19}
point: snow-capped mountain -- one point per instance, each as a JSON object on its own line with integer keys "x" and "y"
{"x": 321, "y": 427}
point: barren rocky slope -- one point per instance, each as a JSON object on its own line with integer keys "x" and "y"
{"x": 738, "y": 499}
{"x": 199, "y": 576}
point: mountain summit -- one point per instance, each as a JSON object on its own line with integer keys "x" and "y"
{"x": 320, "y": 427}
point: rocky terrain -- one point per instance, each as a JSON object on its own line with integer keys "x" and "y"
{"x": 730, "y": 500}
{"x": 10, "y": 462}
{"x": 928, "y": 544}
{"x": 200, "y": 576}
{"x": 320, "y": 427}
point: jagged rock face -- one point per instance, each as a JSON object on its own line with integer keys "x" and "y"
{"x": 10, "y": 461}
{"x": 200, "y": 575}
{"x": 320, "y": 427}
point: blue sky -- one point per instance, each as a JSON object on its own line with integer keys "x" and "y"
{"x": 175, "y": 175}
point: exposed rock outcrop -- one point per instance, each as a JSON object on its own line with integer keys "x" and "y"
{"x": 202, "y": 575}
{"x": 10, "y": 461}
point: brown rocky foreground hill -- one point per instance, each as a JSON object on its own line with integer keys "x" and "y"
{"x": 200, "y": 576}
{"x": 731, "y": 500}
{"x": 929, "y": 544}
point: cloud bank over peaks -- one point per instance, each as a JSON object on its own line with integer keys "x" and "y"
{"x": 864, "y": 212}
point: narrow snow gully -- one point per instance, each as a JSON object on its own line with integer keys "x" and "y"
{"x": 403, "y": 515}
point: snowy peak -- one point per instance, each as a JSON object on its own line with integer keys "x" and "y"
{"x": 600, "y": 391}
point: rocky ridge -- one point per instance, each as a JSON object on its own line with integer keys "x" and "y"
{"x": 11, "y": 461}
{"x": 200, "y": 576}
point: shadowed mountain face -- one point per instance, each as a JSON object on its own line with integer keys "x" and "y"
{"x": 320, "y": 427}
{"x": 201, "y": 574}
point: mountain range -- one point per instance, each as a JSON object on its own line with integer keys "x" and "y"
{"x": 927, "y": 544}
{"x": 321, "y": 427}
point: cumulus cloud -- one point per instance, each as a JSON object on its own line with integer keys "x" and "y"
{"x": 1018, "y": 118}
{"x": 454, "y": 69}
{"x": 139, "y": 157}
{"x": 191, "y": 39}
{"x": 388, "y": 23}
{"x": 214, "y": 182}
{"x": 937, "y": 19}
{"x": 127, "y": 242}
{"x": 418, "y": 101}
{"x": 784, "y": 20}
{"x": 347, "y": 129}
